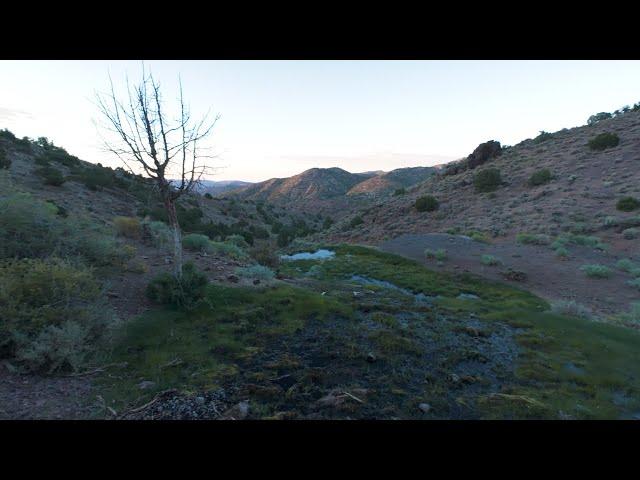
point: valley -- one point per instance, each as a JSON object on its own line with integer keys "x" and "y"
{"x": 442, "y": 294}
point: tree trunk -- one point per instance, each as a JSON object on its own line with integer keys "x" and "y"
{"x": 177, "y": 237}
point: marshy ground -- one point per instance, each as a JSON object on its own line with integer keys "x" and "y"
{"x": 367, "y": 334}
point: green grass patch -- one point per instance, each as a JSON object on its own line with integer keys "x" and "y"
{"x": 572, "y": 366}
{"x": 596, "y": 271}
{"x": 199, "y": 349}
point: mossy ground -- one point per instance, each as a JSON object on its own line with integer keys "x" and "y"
{"x": 492, "y": 352}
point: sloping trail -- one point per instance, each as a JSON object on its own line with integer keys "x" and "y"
{"x": 548, "y": 276}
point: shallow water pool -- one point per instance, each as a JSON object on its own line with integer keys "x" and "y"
{"x": 317, "y": 255}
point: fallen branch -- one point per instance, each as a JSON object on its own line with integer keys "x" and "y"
{"x": 521, "y": 398}
{"x": 97, "y": 370}
{"x": 172, "y": 363}
{"x": 354, "y": 397}
{"x": 148, "y": 404}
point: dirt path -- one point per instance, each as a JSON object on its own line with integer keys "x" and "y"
{"x": 31, "y": 397}
{"x": 548, "y": 276}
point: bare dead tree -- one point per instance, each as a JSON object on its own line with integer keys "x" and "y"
{"x": 167, "y": 151}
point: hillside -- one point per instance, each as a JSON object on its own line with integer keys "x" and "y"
{"x": 102, "y": 193}
{"x": 551, "y": 224}
{"x": 580, "y": 197}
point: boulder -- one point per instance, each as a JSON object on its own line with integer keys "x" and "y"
{"x": 483, "y": 153}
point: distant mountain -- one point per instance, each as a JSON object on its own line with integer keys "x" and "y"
{"x": 216, "y": 188}
{"x": 387, "y": 182}
{"x": 331, "y": 190}
{"x": 313, "y": 184}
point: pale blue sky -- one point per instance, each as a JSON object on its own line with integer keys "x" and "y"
{"x": 281, "y": 117}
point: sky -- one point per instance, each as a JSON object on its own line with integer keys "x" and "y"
{"x": 278, "y": 118}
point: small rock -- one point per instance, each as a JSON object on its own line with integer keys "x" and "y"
{"x": 332, "y": 399}
{"x": 425, "y": 407}
{"x": 371, "y": 357}
{"x": 237, "y": 412}
{"x": 454, "y": 378}
{"x": 468, "y": 296}
{"x": 200, "y": 400}
{"x": 146, "y": 384}
{"x": 256, "y": 281}
{"x": 233, "y": 278}
{"x": 243, "y": 409}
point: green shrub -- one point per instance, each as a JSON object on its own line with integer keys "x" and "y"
{"x": 97, "y": 177}
{"x": 427, "y": 204}
{"x": 261, "y": 232}
{"x": 635, "y": 283}
{"x": 540, "y": 177}
{"x": 573, "y": 309}
{"x": 628, "y": 204}
{"x": 477, "y": 236}
{"x": 487, "y": 180}
{"x": 625, "y": 264}
{"x": 237, "y": 240}
{"x": 228, "y": 249}
{"x": 598, "y": 117}
{"x": 5, "y": 163}
{"x": 399, "y": 191}
{"x": 34, "y": 228}
{"x": 197, "y": 242}
{"x": 185, "y": 293}
{"x": 574, "y": 239}
{"x": 265, "y": 254}
{"x": 562, "y": 252}
{"x": 596, "y": 271}
{"x": 98, "y": 248}
{"x": 208, "y": 196}
{"x": 51, "y": 311}
{"x": 55, "y": 154}
{"x": 490, "y": 260}
{"x": 604, "y": 141}
{"x": 631, "y": 233}
{"x": 440, "y": 254}
{"x": 259, "y": 272}
{"x": 355, "y": 221}
{"x": 51, "y": 176}
{"x": 543, "y": 137}
{"x": 533, "y": 239}
{"x": 159, "y": 233}
{"x": 326, "y": 224}
{"x": 129, "y": 227}
{"x": 29, "y": 227}
{"x": 630, "y": 319}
